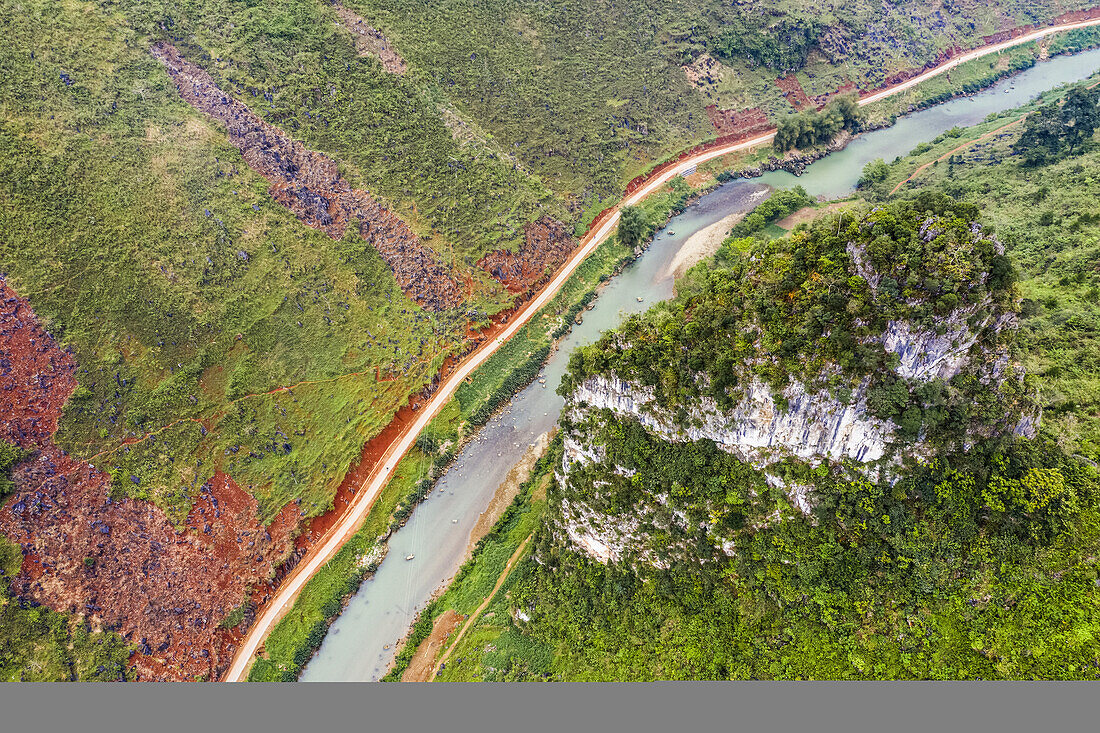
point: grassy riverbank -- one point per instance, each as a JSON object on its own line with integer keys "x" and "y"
{"x": 474, "y": 583}
{"x": 1026, "y": 610}
{"x": 300, "y": 633}
{"x": 1044, "y": 215}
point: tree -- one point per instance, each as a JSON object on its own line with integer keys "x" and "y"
{"x": 1041, "y": 138}
{"x": 1080, "y": 116}
{"x": 9, "y": 456}
{"x": 874, "y": 172}
{"x": 1053, "y": 130}
{"x": 633, "y": 226}
{"x": 813, "y": 127}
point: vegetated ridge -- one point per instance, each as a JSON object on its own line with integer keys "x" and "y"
{"x": 642, "y": 186}
{"x": 973, "y": 557}
{"x": 148, "y": 391}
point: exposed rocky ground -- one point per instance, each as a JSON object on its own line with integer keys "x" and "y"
{"x": 369, "y": 41}
{"x": 794, "y": 92}
{"x": 309, "y": 184}
{"x": 770, "y": 427}
{"x": 121, "y": 564}
{"x": 702, "y": 71}
{"x": 796, "y": 161}
{"x": 743, "y": 123}
{"x": 547, "y": 244}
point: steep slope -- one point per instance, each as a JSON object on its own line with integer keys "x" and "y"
{"x": 877, "y": 341}
{"x": 819, "y": 461}
{"x": 1044, "y": 212}
{"x": 184, "y": 209}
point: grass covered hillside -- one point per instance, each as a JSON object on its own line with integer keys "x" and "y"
{"x": 587, "y": 94}
{"x": 676, "y": 545}
{"x": 151, "y": 249}
{"x": 187, "y": 294}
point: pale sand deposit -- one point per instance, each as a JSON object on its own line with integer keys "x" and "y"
{"x": 704, "y": 243}
{"x": 808, "y": 213}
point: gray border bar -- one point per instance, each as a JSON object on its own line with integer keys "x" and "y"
{"x": 792, "y": 707}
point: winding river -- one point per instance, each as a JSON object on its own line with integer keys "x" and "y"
{"x": 362, "y": 643}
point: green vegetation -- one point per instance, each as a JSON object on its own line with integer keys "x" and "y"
{"x": 775, "y": 207}
{"x": 813, "y": 127}
{"x": 783, "y": 45}
{"x": 1044, "y": 215}
{"x": 1056, "y": 129}
{"x": 975, "y": 564}
{"x": 798, "y": 301}
{"x": 9, "y": 456}
{"x": 903, "y": 582}
{"x": 182, "y": 287}
{"x": 633, "y": 227}
{"x": 296, "y": 66}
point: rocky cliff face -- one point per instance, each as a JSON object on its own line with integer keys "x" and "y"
{"x": 826, "y": 421}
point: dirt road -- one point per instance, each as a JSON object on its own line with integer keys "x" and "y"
{"x": 484, "y": 604}
{"x": 346, "y": 527}
{"x": 977, "y": 54}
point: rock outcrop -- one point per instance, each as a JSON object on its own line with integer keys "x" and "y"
{"x": 547, "y": 244}
{"x": 828, "y": 420}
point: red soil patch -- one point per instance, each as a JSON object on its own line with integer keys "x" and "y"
{"x": 36, "y": 377}
{"x": 733, "y": 124}
{"x": 793, "y": 91}
{"x": 848, "y": 87}
{"x": 120, "y": 563}
{"x": 309, "y": 184}
{"x": 422, "y": 666}
{"x": 548, "y": 243}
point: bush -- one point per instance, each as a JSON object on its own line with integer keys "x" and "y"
{"x": 813, "y": 127}
{"x": 9, "y": 456}
{"x": 778, "y": 205}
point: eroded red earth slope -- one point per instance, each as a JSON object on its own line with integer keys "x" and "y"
{"x": 121, "y": 564}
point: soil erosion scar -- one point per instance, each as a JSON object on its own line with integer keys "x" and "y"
{"x": 309, "y": 184}
{"x": 120, "y": 563}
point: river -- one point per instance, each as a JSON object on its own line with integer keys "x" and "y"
{"x": 362, "y": 642}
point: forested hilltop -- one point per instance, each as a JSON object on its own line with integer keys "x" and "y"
{"x": 866, "y": 449}
{"x": 238, "y": 236}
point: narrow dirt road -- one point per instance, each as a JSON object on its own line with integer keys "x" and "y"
{"x": 951, "y": 152}
{"x": 484, "y": 604}
{"x": 346, "y": 527}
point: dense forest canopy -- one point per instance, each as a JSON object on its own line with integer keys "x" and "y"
{"x": 975, "y": 562}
